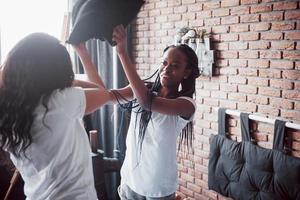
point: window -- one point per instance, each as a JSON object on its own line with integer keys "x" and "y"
{"x": 20, "y": 18}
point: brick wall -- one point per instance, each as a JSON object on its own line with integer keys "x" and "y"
{"x": 257, "y": 69}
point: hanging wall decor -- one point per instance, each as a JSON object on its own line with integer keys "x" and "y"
{"x": 199, "y": 41}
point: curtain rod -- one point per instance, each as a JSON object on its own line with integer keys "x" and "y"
{"x": 262, "y": 119}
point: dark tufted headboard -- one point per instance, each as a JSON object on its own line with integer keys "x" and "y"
{"x": 243, "y": 170}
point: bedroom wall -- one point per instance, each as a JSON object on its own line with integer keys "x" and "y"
{"x": 257, "y": 69}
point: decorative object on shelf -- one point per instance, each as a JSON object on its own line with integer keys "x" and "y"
{"x": 199, "y": 41}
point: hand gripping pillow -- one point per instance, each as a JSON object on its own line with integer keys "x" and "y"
{"x": 97, "y": 18}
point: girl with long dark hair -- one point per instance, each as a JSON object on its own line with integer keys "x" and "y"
{"x": 163, "y": 111}
{"x": 41, "y": 114}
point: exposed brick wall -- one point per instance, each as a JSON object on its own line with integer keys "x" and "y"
{"x": 257, "y": 69}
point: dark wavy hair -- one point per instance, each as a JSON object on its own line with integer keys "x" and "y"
{"x": 187, "y": 89}
{"x": 34, "y": 68}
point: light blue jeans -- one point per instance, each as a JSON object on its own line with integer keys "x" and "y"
{"x": 126, "y": 193}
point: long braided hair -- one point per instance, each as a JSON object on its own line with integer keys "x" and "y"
{"x": 187, "y": 89}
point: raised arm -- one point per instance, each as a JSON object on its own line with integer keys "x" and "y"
{"x": 88, "y": 65}
{"x": 179, "y": 106}
{"x": 95, "y": 91}
{"x": 137, "y": 85}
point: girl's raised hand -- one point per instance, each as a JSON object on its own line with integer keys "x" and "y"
{"x": 119, "y": 36}
{"x": 80, "y": 48}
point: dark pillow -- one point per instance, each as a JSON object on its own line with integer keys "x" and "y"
{"x": 97, "y": 18}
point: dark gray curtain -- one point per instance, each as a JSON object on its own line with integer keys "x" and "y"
{"x": 110, "y": 121}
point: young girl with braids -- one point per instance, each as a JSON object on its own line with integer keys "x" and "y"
{"x": 41, "y": 114}
{"x": 149, "y": 170}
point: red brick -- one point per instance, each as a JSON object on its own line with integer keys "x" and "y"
{"x": 228, "y": 104}
{"x": 237, "y": 97}
{"x": 284, "y": 5}
{"x": 292, "y": 35}
{"x": 290, "y": 114}
{"x": 291, "y": 94}
{"x": 239, "y": 28}
{"x": 196, "y": 22}
{"x": 260, "y": 136}
{"x": 211, "y": 194}
{"x": 238, "y": 62}
{"x": 227, "y": 54}
{"x": 249, "y": 1}
{"x": 297, "y": 65}
{"x": 260, "y": 8}
{"x": 258, "y": 81}
{"x": 186, "y": 191}
{"x": 249, "y": 18}
{"x": 212, "y": 85}
{"x": 281, "y": 64}
{"x": 188, "y": 2}
{"x": 292, "y": 55}
{"x": 228, "y": 87}
{"x": 211, "y": 102}
{"x": 258, "y": 63}
{"x": 297, "y": 86}
{"x": 268, "y": 110}
{"x": 161, "y": 4}
{"x": 212, "y": 21}
{"x": 174, "y": 17}
{"x": 211, "y": 5}
{"x": 247, "y": 107}
{"x": 143, "y": 14}
{"x": 180, "y": 9}
{"x": 281, "y": 84}
{"x": 221, "y": 63}
{"x": 230, "y": 20}
{"x": 154, "y": 13}
{"x": 269, "y": 54}
{"x": 161, "y": 19}
{"x": 238, "y": 45}
{"x": 240, "y": 10}
{"x": 271, "y": 36}
{"x": 282, "y": 26}
{"x": 248, "y": 72}
{"x": 220, "y": 12}
{"x": 258, "y": 99}
{"x": 260, "y": 26}
{"x": 228, "y": 71}
{"x": 166, "y": 11}
{"x": 220, "y": 29}
{"x": 272, "y": 16}
{"x": 229, "y": 3}
{"x": 259, "y": 45}
{"x": 292, "y": 15}
{"x": 268, "y": 91}
{"x": 298, "y": 46}
{"x": 229, "y": 37}
{"x": 167, "y": 25}
{"x": 174, "y": 3}
{"x": 249, "y": 36}
{"x": 204, "y": 14}
{"x": 291, "y": 74}
{"x": 248, "y": 54}
{"x": 269, "y": 73}
{"x": 281, "y": 103}
{"x": 248, "y": 89}
{"x": 188, "y": 16}
{"x": 194, "y": 187}
{"x": 195, "y": 7}
{"x": 237, "y": 79}
{"x": 289, "y": 45}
